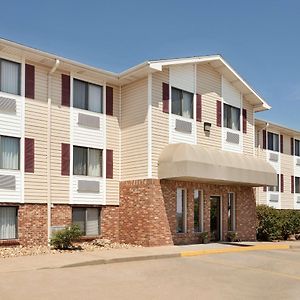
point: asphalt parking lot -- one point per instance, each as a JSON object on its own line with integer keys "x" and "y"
{"x": 245, "y": 275}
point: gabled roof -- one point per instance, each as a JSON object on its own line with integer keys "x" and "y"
{"x": 138, "y": 71}
{"x": 260, "y": 124}
{"x": 216, "y": 61}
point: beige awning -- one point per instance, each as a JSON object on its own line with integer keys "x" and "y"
{"x": 194, "y": 162}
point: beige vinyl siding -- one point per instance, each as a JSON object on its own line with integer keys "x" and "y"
{"x": 41, "y": 84}
{"x": 160, "y": 120}
{"x": 248, "y": 138}
{"x": 287, "y": 169}
{"x": 134, "y": 137}
{"x": 113, "y": 135}
{"x": 209, "y": 86}
{"x": 56, "y": 89}
{"x": 60, "y": 133}
{"x": 35, "y": 184}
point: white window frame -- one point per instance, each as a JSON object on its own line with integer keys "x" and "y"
{"x": 184, "y": 209}
{"x": 181, "y": 103}
{"x": 85, "y": 209}
{"x": 87, "y": 99}
{"x": 19, "y": 76}
{"x": 87, "y": 161}
{"x": 19, "y": 153}
{"x": 231, "y": 109}
{"x": 16, "y": 223}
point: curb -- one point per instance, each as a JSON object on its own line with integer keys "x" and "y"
{"x": 179, "y": 254}
{"x": 122, "y": 259}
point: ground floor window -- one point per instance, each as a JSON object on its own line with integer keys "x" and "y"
{"x": 8, "y": 223}
{"x": 198, "y": 211}
{"x": 181, "y": 210}
{"x": 231, "y": 212}
{"x": 87, "y": 219}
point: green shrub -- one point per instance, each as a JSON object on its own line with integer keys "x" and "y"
{"x": 232, "y": 236}
{"x": 268, "y": 223}
{"x": 275, "y": 224}
{"x": 63, "y": 239}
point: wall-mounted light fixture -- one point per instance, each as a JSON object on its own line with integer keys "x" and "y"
{"x": 207, "y": 127}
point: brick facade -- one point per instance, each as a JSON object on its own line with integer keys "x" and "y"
{"x": 33, "y": 222}
{"x": 148, "y": 211}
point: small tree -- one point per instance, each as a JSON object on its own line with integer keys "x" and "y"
{"x": 63, "y": 239}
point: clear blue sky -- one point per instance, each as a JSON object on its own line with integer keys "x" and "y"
{"x": 260, "y": 39}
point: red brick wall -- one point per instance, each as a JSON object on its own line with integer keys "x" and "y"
{"x": 148, "y": 211}
{"x": 110, "y": 223}
{"x": 32, "y": 225}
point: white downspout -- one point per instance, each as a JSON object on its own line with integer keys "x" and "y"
{"x": 57, "y": 62}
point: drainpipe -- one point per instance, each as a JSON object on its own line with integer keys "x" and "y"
{"x": 57, "y": 62}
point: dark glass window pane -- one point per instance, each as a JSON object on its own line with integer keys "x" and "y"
{"x": 78, "y": 218}
{"x": 187, "y": 104}
{"x": 297, "y": 184}
{"x": 176, "y": 101}
{"x": 80, "y": 94}
{"x": 197, "y": 211}
{"x": 297, "y": 148}
{"x": 79, "y": 161}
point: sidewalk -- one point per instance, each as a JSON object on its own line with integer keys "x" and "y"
{"x": 97, "y": 257}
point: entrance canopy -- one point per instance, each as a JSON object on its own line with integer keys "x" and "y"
{"x": 194, "y": 162}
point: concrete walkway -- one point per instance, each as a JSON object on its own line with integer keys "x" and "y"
{"x": 77, "y": 259}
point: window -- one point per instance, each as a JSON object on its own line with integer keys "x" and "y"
{"x": 87, "y": 161}
{"x": 297, "y": 147}
{"x": 276, "y": 187}
{"x": 8, "y": 223}
{"x": 297, "y": 184}
{"x": 181, "y": 211}
{"x": 273, "y": 141}
{"x": 9, "y": 153}
{"x": 231, "y": 212}
{"x": 10, "y": 77}
{"x": 182, "y": 103}
{"x": 87, "y": 219}
{"x": 87, "y": 96}
{"x": 231, "y": 117}
{"x": 198, "y": 211}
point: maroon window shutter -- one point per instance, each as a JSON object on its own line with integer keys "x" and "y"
{"x": 264, "y": 188}
{"x": 109, "y": 163}
{"x": 292, "y": 146}
{"x": 166, "y": 97}
{"x": 109, "y": 100}
{"x": 29, "y": 81}
{"x": 29, "y": 155}
{"x": 65, "y": 159}
{"x": 244, "y": 120}
{"x": 219, "y": 113}
{"x": 281, "y": 183}
{"x": 199, "y": 108}
{"x": 281, "y": 143}
{"x": 292, "y": 184}
{"x": 264, "y": 139}
{"x": 65, "y": 90}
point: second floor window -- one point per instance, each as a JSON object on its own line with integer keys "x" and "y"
{"x": 10, "y": 77}
{"x": 273, "y": 141}
{"x": 87, "y": 96}
{"x": 231, "y": 116}
{"x": 87, "y": 161}
{"x": 9, "y": 153}
{"x": 297, "y": 184}
{"x": 297, "y": 147}
{"x": 182, "y": 103}
{"x": 274, "y": 188}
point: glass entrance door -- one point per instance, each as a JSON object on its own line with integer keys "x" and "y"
{"x": 215, "y": 218}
